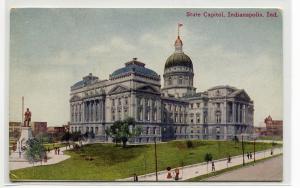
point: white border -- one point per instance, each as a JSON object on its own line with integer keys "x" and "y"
{"x": 282, "y": 4}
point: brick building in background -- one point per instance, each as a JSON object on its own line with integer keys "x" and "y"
{"x": 273, "y": 127}
{"x": 39, "y": 127}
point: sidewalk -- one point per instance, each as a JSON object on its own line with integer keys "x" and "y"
{"x": 199, "y": 169}
{"x": 52, "y": 159}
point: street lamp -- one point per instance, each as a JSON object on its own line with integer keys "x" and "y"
{"x": 155, "y": 155}
{"x": 243, "y": 150}
{"x": 254, "y": 139}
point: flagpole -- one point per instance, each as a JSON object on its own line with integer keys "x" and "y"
{"x": 22, "y": 110}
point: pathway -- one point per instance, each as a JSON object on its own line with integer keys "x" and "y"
{"x": 52, "y": 159}
{"x": 199, "y": 169}
{"x": 269, "y": 170}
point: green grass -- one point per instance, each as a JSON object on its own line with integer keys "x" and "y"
{"x": 110, "y": 162}
{"x": 275, "y": 138}
{"x": 219, "y": 172}
{"x": 52, "y": 145}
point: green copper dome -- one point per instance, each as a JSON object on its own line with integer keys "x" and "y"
{"x": 179, "y": 59}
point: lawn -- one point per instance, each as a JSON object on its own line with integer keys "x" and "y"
{"x": 51, "y": 146}
{"x": 109, "y": 162}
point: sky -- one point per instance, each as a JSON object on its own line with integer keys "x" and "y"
{"x": 51, "y": 49}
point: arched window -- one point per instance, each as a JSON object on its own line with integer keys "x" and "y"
{"x": 170, "y": 81}
{"x": 180, "y": 80}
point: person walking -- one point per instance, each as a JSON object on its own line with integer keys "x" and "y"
{"x": 58, "y": 151}
{"x": 135, "y": 178}
{"x": 229, "y": 159}
{"x": 213, "y": 166}
{"x": 248, "y": 155}
{"x": 176, "y": 174}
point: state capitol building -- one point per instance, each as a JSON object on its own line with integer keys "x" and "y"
{"x": 169, "y": 112}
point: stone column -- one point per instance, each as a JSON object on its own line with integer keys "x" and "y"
{"x": 238, "y": 112}
{"x": 71, "y": 112}
{"x": 144, "y": 109}
{"x": 90, "y": 111}
{"x": 150, "y": 111}
{"x": 94, "y": 110}
{"x": 99, "y": 111}
{"x": 233, "y": 112}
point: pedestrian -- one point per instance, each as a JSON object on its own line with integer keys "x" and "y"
{"x": 58, "y": 150}
{"x": 271, "y": 151}
{"x": 248, "y": 155}
{"x": 169, "y": 175}
{"x": 135, "y": 177}
{"x": 213, "y": 166}
{"x": 55, "y": 151}
{"x": 229, "y": 158}
{"x": 176, "y": 174}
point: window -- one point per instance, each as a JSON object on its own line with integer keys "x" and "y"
{"x": 140, "y": 114}
{"x": 149, "y": 102}
{"x": 126, "y": 100}
{"x": 119, "y": 101}
{"x": 113, "y": 102}
{"x": 154, "y": 115}
{"x": 198, "y": 105}
{"x": 180, "y": 80}
{"x": 148, "y": 115}
{"x": 198, "y": 118}
{"x": 170, "y": 81}
{"x": 192, "y": 105}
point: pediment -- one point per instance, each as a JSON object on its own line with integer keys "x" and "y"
{"x": 242, "y": 95}
{"x": 148, "y": 88}
{"x": 118, "y": 89}
{"x": 75, "y": 98}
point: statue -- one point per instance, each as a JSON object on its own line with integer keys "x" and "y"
{"x": 27, "y": 118}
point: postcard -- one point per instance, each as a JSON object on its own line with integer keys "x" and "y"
{"x": 146, "y": 95}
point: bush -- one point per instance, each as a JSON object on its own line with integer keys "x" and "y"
{"x": 189, "y": 144}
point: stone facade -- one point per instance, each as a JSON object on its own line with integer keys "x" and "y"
{"x": 175, "y": 111}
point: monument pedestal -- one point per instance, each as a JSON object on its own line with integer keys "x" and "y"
{"x": 26, "y": 133}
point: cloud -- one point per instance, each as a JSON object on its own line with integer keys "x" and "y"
{"x": 115, "y": 44}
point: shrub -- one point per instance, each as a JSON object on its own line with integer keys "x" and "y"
{"x": 189, "y": 144}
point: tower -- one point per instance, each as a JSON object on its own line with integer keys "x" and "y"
{"x": 178, "y": 73}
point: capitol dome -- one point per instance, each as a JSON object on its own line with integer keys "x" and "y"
{"x": 179, "y": 59}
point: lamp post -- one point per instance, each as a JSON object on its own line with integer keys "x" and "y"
{"x": 155, "y": 155}
{"x": 254, "y": 139}
{"x": 243, "y": 150}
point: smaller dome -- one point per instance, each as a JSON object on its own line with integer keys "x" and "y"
{"x": 136, "y": 67}
{"x": 179, "y": 59}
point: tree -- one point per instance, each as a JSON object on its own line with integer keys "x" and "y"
{"x": 35, "y": 151}
{"x": 66, "y": 137}
{"x": 208, "y": 157}
{"x": 123, "y": 130}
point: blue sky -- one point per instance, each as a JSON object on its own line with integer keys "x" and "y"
{"x": 51, "y": 49}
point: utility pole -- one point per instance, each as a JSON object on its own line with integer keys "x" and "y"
{"x": 243, "y": 150}
{"x": 254, "y": 149}
{"x": 155, "y": 155}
